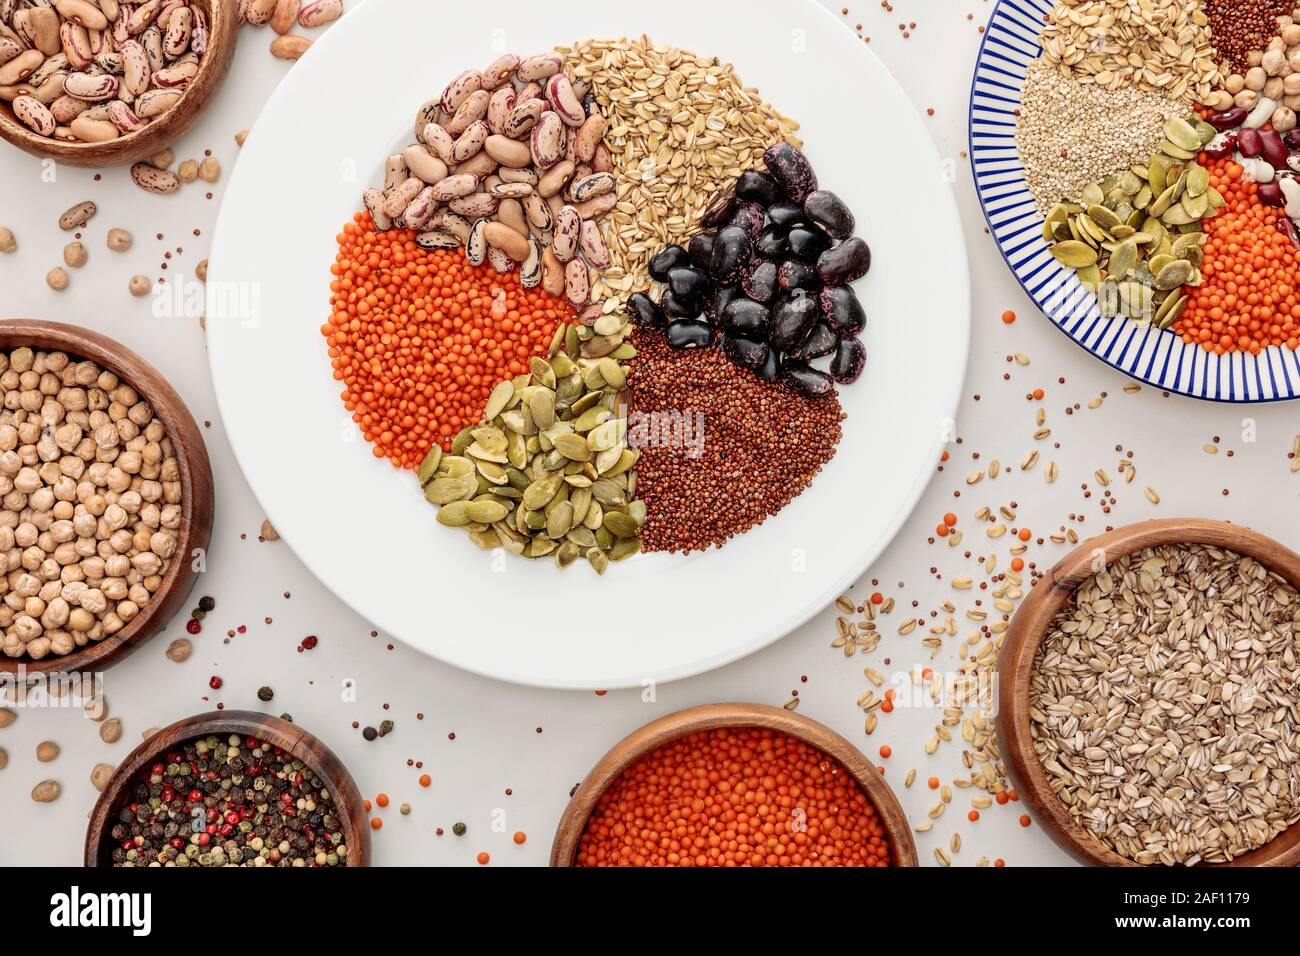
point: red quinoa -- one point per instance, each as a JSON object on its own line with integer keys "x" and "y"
{"x": 1240, "y": 26}
{"x": 761, "y": 446}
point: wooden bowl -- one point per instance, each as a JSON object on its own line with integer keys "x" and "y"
{"x": 223, "y": 25}
{"x": 1026, "y": 633}
{"x": 712, "y": 717}
{"x": 289, "y": 737}
{"x": 196, "y": 480}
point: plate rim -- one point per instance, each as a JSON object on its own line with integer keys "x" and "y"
{"x": 905, "y": 507}
{"x": 1247, "y": 361}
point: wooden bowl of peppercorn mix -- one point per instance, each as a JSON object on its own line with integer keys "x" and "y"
{"x": 1039, "y": 656}
{"x": 296, "y": 767}
{"x": 179, "y": 491}
{"x": 862, "y": 824}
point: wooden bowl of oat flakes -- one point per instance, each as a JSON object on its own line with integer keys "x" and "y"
{"x": 1149, "y": 698}
{"x": 105, "y": 499}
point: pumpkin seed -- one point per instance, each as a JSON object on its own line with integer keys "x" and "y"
{"x": 1074, "y": 253}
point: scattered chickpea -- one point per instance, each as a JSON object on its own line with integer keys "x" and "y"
{"x": 240, "y": 137}
{"x": 119, "y": 240}
{"x": 7, "y": 717}
{"x": 74, "y": 255}
{"x": 268, "y": 532}
{"x": 46, "y": 751}
{"x": 201, "y": 270}
{"x": 188, "y": 171}
{"x": 101, "y": 775}
{"x": 179, "y": 650}
{"x": 4, "y": 758}
{"x": 163, "y": 160}
{"x": 140, "y": 285}
{"x": 47, "y": 791}
{"x": 57, "y": 279}
{"x": 209, "y": 170}
{"x": 7, "y": 241}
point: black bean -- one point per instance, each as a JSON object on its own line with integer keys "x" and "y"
{"x": 747, "y": 353}
{"x": 731, "y": 249}
{"x": 787, "y": 215}
{"x": 646, "y": 312}
{"x": 829, "y": 211}
{"x": 808, "y": 243}
{"x": 792, "y": 319}
{"x": 750, "y": 217}
{"x": 792, "y": 170}
{"x": 820, "y": 341}
{"x": 689, "y": 334}
{"x": 850, "y": 358}
{"x": 806, "y": 380}
{"x": 847, "y": 262}
{"x": 794, "y": 274}
{"x": 719, "y": 212}
{"x": 760, "y": 282}
{"x": 670, "y": 258}
{"x": 701, "y": 250}
{"x": 771, "y": 369}
{"x": 747, "y": 317}
{"x": 758, "y": 187}
{"x": 677, "y": 308}
{"x": 772, "y": 242}
{"x": 843, "y": 311}
{"x": 717, "y": 303}
{"x": 689, "y": 285}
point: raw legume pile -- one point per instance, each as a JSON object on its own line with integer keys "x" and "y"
{"x": 1242, "y": 27}
{"x": 1164, "y": 702}
{"x": 753, "y": 448}
{"x": 773, "y": 273}
{"x": 91, "y": 503}
{"x": 229, "y": 801}
{"x": 88, "y": 72}
{"x": 734, "y": 797}
{"x": 419, "y": 337}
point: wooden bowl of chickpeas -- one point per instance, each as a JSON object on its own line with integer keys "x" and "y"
{"x": 105, "y": 499}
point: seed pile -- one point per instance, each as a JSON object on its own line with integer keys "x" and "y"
{"x": 88, "y": 72}
{"x": 1242, "y": 27}
{"x": 1070, "y": 133}
{"x": 721, "y": 450}
{"x": 91, "y": 506}
{"x": 734, "y": 797}
{"x": 682, "y": 128}
{"x": 229, "y": 801}
{"x": 1269, "y": 73}
{"x": 1164, "y": 705}
{"x": 1160, "y": 46}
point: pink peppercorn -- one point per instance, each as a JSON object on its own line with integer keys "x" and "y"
{"x": 216, "y": 682}
{"x": 193, "y": 626}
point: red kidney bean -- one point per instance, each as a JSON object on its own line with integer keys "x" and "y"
{"x": 1270, "y": 194}
{"x": 1292, "y": 138}
{"x": 1250, "y": 143}
{"x": 1228, "y": 119}
{"x": 1222, "y": 146}
{"x": 1287, "y": 227}
{"x": 1273, "y": 149}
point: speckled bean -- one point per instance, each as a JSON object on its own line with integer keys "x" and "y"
{"x": 424, "y": 164}
{"x": 35, "y": 115}
{"x": 156, "y": 102}
{"x": 500, "y": 105}
{"x": 396, "y": 202}
{"x": 594, "y": 248}
{"x": 475, "y": 206}
{"x": 523, "y": 118}
{"x": 540, "y": 67}
{"x": 460, "y": 89}
{"x": 374, "y": 200}
{"x": 559, "y": 93}
{"x": 568, "y": 228}
{"x": 577, "y": 283}
{"x": 453, "y": 187}
{"x": 548, "y": 140}
{"x": 471, "y": 142}
{"x": 471, "y": 111}
{"x": 499, "y": 71}
{"x": 319, "y": 13}
{"x": 152, "y": 179}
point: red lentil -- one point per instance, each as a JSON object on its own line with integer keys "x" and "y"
{"x": 737, "y": 481}
{"x": 419, "y": 338}
{"x": 734, "y": 797}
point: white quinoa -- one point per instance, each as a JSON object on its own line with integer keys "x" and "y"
{"x": 1070, "y": 134}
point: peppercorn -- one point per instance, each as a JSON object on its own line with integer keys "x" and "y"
{"x": 458, "y": 828}
{"x": 215, "y": 682}
{"x": 206, "y": 603}
{"x": 193, "y": 626}
{"x": 197, "y": 615}
{"x": 385, "y": 728}
{"x": 405, "y": 809}
{"x": 370, "y": 733}
{"x": 265, "y": 693}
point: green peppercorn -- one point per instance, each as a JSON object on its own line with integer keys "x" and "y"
{"x": 198, "y": 615}
{"x": 287, "y": 718}
{"x": 405, "y": 809}
{"x": 385, "y": 728}
{"x": 458, "y": 828}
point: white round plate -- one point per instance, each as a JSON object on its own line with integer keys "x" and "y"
{"x": 1158, "y": 357}
{"x": 363, "y": 528}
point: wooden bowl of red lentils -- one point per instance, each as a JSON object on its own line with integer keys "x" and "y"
{"x": 313, "y": 814}
{"x": 733, "y": 785}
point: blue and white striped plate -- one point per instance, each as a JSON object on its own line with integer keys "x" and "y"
{"x": 1158, "y": 358}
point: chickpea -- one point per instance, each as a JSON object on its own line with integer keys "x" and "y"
{"x": 74, "y": 255}
{"x": 188, "y": 171}
{"x": 7, "y": 241}
{"x": 57, "y": 279}
{"x": 1273, "y": 88}
{"x": 1256, "y": 77}
{"x": 119, "y": 240}
{"x": 1283, "y": 119}
{"x": 139, "y": 286}
{"x": 209, "y": 170}
{"x": 1246, "y": 99}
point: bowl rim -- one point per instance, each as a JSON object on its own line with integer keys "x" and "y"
{"x": 191, "y": 454}
{"x": 166, "y": 129}
{"x": 1027, "y": 631}
{"x": 295, "y": 740}
{"x": 663, "y": 730}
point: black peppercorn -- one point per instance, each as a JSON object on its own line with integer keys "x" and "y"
{"x": 206, "y": 603}
{"x": 370, "y": 733}
{"x": 265, "y": 693}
